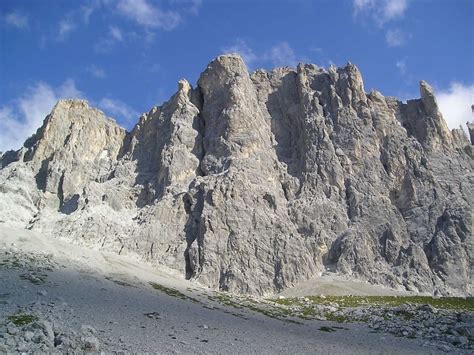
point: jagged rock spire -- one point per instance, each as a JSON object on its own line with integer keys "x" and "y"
{"x": 252, "y": 182}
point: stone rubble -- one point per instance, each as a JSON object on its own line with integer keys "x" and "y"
{"x": 450, "y": 330}
{"x": 46, "y": 333}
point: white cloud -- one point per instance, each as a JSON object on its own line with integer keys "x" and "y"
{"x": 318, "y": 57}
{"x": 361, "y": 5}
{"x": 106, "y": 43}
{"x": 402, "y": 66}
{"x": 24, "y": 116}
{"x": 147, "y": 15}
{"x": 17, "y": 20}
{"x": 455, "y": 104}
{"x": 395, "y": 38}
{"x": 243, "y": 49}
{"x": 75, "y": 18}
{"x": 394, "y": 9}
{"x": 66, "y": 26}
{"x": 381, "y": 11}
{"x": 96, "y": 71}
{"x": 281, "y": 55}
{"x": 115, "y": 33}
{"x": 118, "y": 108}
{"x": 87, "y": 10}
{"x": 316, "y": 49}
{"x": 191, "y": 6}
{"x": 195, "y": 6}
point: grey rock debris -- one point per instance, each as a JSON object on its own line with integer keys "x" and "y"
{"x": 253, "y": 182}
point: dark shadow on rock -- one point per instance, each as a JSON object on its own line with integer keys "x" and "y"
{"x": 70, "y": 206}
{"x": 284, "y": 125}
{"x": 193, "y": 206}
{"x": 8, "y": 157}
{"x": 41, "y": 176}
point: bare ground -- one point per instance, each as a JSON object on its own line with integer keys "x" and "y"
{"x": 97, "y": 301}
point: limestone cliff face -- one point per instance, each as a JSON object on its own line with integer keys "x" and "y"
{"x": 254, "y": 182}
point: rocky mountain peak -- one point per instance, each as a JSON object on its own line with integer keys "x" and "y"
{"x": 253, "y": 182}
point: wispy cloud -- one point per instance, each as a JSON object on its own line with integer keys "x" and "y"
{"x": 243, "y": 49}
{"x": 87, "y": 10}
{"x": 192, "y": 6}
{"x": 316, "y": 49}
{"x": 24, "y": 116}
{"x": 116, "y": 33}
{"x": 281, "y": 54}
{"x": 78, "y": 17}
{"x": 394, "y": 8}
{"x": 118, "y": 109}
{"x": 381, "y": 11}
{"x": 402, "y": 66}
{"x": 72, "y": 21}
{"x": 65, "y": 27}
{"x": 455, "y": 104}
{"x": 195, "y": 6}
{"x": 147, "y": 15}
{"x": 96, "y": 71}
{"x": 319, "y": 56}
{"x": 106, "y": 43}
{"x": 395, "y": 38}
{"x": 17, "y": 20}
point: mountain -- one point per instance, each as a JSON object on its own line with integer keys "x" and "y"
{"x": 253, "y": 182}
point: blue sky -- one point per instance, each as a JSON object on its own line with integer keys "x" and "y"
{"x": 126, "y": 56}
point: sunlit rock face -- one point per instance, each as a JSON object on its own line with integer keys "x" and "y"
{"x": 252, "y": 182}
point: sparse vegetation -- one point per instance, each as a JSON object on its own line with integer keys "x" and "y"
{"x": 34, "y": 266}
{"x": 455, "y": 303}
{"x": 22, "y": 319}
{"x": 225, "y": 300}
{"x": 119, "y": 282}
{"x": 241, "y": 302}
{"x": 172, "y": 292}
{"x": 34, "y": 277}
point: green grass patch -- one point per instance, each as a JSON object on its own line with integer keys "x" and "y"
{"x": 406, "y": 315}
{"x": 247, "y": 303}
{"x": 172, "y": 292}
{"x": 454, "y": 303}
{"x": 224, "y": 300}
{"x": 22, "y": 319}
{"x": 119, "y": 282}
{"x": 338, "y": 318}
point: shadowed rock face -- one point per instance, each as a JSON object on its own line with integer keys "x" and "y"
{"x": 253, "y": 182}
